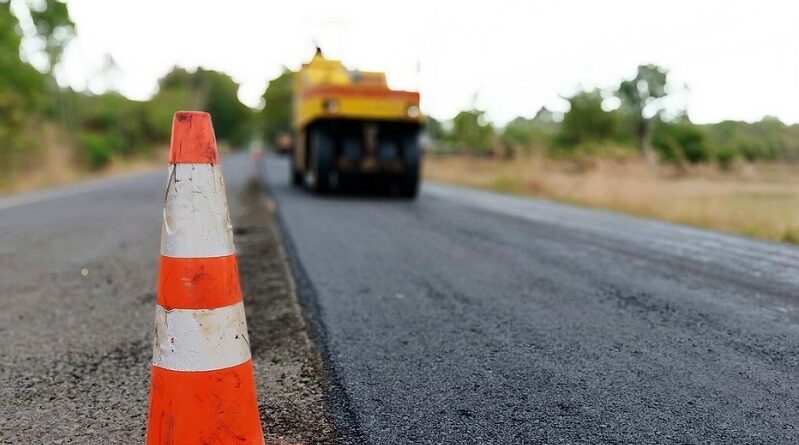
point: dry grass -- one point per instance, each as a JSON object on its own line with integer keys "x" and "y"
{"x": 754, "y": 200}
{"x": 53, "y": 165}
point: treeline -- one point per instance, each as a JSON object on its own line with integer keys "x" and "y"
{"x": 36, "y": 115}
{"x": 630, "y": 120}
{"x": 110, "y": 125}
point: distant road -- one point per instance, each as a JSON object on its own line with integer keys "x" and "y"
{"x": 470, "y": 317}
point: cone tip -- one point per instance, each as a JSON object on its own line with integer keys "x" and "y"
{"x": 193, "y": 139}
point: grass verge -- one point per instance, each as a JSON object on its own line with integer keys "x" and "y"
{"x": 759, "y": 201}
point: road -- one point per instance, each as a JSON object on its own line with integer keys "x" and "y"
{"x": 78, "y": 268}
{"x": 77, "y": 275}
{"x": 461, "y": 317}
{"x": 470, "y": 317}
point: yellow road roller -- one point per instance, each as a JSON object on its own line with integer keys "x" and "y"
{"x": 353, "y": 132}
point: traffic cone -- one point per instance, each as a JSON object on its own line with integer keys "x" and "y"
{"x": 202, "y": 389}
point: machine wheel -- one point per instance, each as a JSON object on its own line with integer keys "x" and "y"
{"x": 296, "y": 176}
{"x": 409, "y": 180}
{"x": 321, "y": 160}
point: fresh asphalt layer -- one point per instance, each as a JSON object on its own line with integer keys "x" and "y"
{"x": 470, "y": 317}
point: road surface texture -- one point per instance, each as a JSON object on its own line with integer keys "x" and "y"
{"x": 468, "y": 317}
{"x": 78, "y": 268}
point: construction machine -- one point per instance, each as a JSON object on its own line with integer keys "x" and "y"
{"x": 353, "y": 131}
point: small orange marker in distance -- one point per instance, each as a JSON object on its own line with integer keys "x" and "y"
{"x": 202, "y": 389}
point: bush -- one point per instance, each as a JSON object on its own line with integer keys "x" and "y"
{"x": 680, "y": 142}
{"x": 97, "y": 149}
{"x": 587, "y": 122}
{"x": 471, "y": 132}
{"x": 726, "y": 156}
{"x": 753, "y": 149}
{"x": 767, "y": 139}
{"x": 595, "y": 149}
{"x": 527, "y": 135}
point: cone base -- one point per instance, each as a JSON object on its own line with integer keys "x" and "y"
{"x": 205, "y": 407}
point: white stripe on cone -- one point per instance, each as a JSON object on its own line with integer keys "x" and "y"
{"x": 200, "y": 339}
{"x": 196, "y": 221}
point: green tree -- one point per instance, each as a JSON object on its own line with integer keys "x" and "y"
{"x": 110, "y": 125}
{"x": 278, "y": 98}
{"x": 54, "y": 28}
{"x": 682, "y": 142}
{"x": 766, "y": 139}
{"x": 434, "y": 128}
{"x": 471, "y": 132}
{"x": 22, "y": 88}
{"x": 232, "y": 119}
{"x": 17, "y": 78}
{"x": 586, "y": 121}
{"x": 209, "y": 91}
{"x": 526, "y": 135}
{"x": 641, "y": 99}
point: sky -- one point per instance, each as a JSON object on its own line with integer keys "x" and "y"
{"x": 735, "y": 59}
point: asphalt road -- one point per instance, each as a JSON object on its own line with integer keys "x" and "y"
{"x": 462, "y": 317}
{"x": 77, "y": 279}
{"x": 78, "y": 268}
{"x": 469, "y": 317}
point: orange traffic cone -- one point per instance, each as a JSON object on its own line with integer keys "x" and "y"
{"x": 202, "y": 389}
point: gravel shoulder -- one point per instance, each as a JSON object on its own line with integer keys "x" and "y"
{"x": 289, "y": 371}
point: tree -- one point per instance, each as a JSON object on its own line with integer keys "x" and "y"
{"x": 767, "y": 139}
{"x": 232, "y": 119}
{"x": 278, "y": 98}
{"x": 641, "y": 99}
{"x": 16, "y": 77}
{"x": 434, "y": 128}
{"x": 22, "y": 87}
{"x": 210, "y": 91}
{"x": 682, "y": 142}
{"x": 522, "y": 134}
{"x": 53, "y": 26}
{"x": 471, "y": 131}
{"x": 586, "y": 121}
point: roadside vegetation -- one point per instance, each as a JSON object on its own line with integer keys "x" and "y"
{"x": 758, "y": 200}
{"x": 630, "y": 149}
{"x": 50, "y": 134}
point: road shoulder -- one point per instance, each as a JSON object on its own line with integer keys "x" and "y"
{"x": 290, "y": 373}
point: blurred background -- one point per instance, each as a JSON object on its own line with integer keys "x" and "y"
{"x": 683, "y": 111}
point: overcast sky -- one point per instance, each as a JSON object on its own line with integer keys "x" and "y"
{"x": 739, "y": 59}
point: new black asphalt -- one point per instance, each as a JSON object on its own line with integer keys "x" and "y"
{"x": 468, "y": 317}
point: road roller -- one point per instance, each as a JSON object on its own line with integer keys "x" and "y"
{"x": 352, "y": 132}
